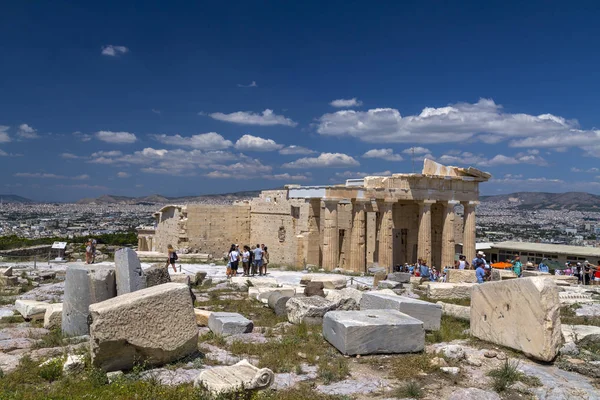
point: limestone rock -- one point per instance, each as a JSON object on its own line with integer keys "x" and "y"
{"x": 453, "y": 351}
{"x": 220, "y": 380}
{"x": 502, "y": 274}
{"x": 154, "y": 325}
{"x": 473, "y": 394}
{"x": 569, "y": 348}
{"x": 379, "y": 276}
{"x": 129, "y": 274}
{"x": 6, "y": 271}
{"x": 53, "y": 316}
{"x": 226, "y": 323}
{"x": 157, "y": 274}
{"x": 429, "y": 313}
{"x": 114, "y": 375}
{"x": 308, "y": 309}
{"x": 241, "y": 282}
{"x": 461, "y": 276}
{"x": 450, "y": 370}
{"x": 277, "y": 302}
{"x": 181, "y": 278}
{"x": 523, "y": 314}
{"x": 202, "y": 316}
{"x": 575, "y": 333}
{"x": 528, "y": 274}
{"x": 373, "y": 332}
{"x": 31, "y": 309}
{"x": 442, "y": 290}
{"x": 85, "y": 285}
{"x": 402, "y": 277}
{"x": 387, "y": 284}
{"x": 456, "y": 311}
{"x": 74, "y": 364}
{"x": 314, "y": 289}
{"x": 346, "y": 293}
{"x": 265, "y": 293}
{"x": 199, "y": 278}
{"x": 346, "y": 304}
{"x": 329, "y": 281}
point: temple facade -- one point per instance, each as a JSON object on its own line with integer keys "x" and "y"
{"x": 388, "y": 220}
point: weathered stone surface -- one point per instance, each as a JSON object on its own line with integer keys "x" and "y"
{"x": 85, "y": 285}
{"x": 402, "y": 277}
{"x": 415, "y": 281}
{"x": 429, "y": 313}
{"x": 31, "y": 309}
{"x": 277, "y": 302}
{"x": 387, "y": 284}
{"x": 226, "y": 323}
{"x": 129, "y": 274}
{"x": 502, "y": 274}
{"x": 461, "y": 276}
{"x": 529, "y": 274}
{"x": 575, "y": 333}
{"x": 154, "y": 325}
{"x": 473, "y": 394}
{"x": 157, "y": 274}
{"x": 379, "y": 276}
{"x": 440, "y": 291}
{"x": 265, "y": 293}
{"x": 456, "y": 311}
{"x": 329, "y": 281}
{"x": 202, "y": 316}
{"x": 314, "y": 289}
{"x": 9, "y": 280}
{"x": 244, "y": 375}
{"x": 308, "y": 309}
{"x": 53, "y": 316}
{"x": 181, "y": 278}
{"x": 346, "y": 293}
{"x": 241, "y": 282}
{"x": 6, "y": 271}
{"x": 373, "y": 332}
{"x": 199, "y": 278}
{"x": 74, "y": 364}
{"x": 523, "y": 314}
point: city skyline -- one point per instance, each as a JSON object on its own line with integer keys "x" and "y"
{"x": 136, "y": 100}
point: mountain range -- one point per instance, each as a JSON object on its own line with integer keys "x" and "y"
{"x": 159, "y": 199}
{"x": 12, "y": 198}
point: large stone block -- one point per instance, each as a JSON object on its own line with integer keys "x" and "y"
{"x": 241, "y": 282}
{"x": 277, "y": 302}
{"x": 523, "y": 314}
{"x": 240, "y": 376}
{"x": 379, "y": 276}
{"x": 346, "y": 293}
{"x": 314, "y": 289}
{"x": 456, "y": 311}
{"x": 388, "y": 284}
{"x": 53, "y": 316}
{"x": 130, "y": 276}
{"x": 429, "y": 313}
{"x": 153, "y": 326}
{"x": 202, "y": 316}
{"x": 8, "y": 271}
{"x": 227, "y": 323}
{"x": 461, "y": 276}
{"x": 373, "y": 332}
{"x": 156, "y": 275}
{"x": 308, "y": 309}
{"x": 402, "y": 277}
{"x": 31, "y": 309}
{"x": 503, "y": 274}
{"x": 265, "y": 293}
{"x": 441, "y": 290}
{"x": 529, "y": 274}
{"x": 85, "y": 285}
{"x": 329, "y": 281}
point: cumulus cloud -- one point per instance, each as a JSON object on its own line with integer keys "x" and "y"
{"x": 123, "y": 175}
{"x": 202, "y": 141}
{"x": 266, "y": 118}
{"x": 324, "y": 160}
{"x": 339, "y": 103}
{"x": 484, "y": 121}
{"x": 3, "y": 153}
{"x": 114, "y": 51}
{"x": 255, "y": 143}
{"x": 69, "y": 156}
{"x": 253, "y": 84}
{"x": 356, "y": 175}
{"x": 116, "y": 137}
{"x": 468, "y": 158}
{"x": 43, "y": 175}
{"x": 287, "y": 177}
{"x": 298, "y": 150}
{"x": 27, "y": 132}
{"x": 4, "y": 137}
{"x": 589, "y": 170}
{"x": 416, "y": 150}
{"x": 384, "y": 154}
{"x": 111, "y": 153}
{"x": 84, "y": 137}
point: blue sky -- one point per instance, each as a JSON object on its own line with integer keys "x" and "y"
{"x": 182, "y": 98}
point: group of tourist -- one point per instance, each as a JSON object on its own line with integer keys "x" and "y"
{"x": 586, "y": 273}
{"x": 90, "y": 251}
{"x": 254, "y": 260}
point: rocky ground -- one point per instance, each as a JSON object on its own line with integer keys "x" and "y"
{"x": 453, "y": 366}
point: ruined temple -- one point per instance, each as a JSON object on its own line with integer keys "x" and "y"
{"x": 388, "y": 220}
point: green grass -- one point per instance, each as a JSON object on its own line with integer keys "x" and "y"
{"x": 411, "y": 366}
{"x": 508, "y": 374}
{"x": 53, "y": 339}
{"x": 256, "y": 311}
{"x": 450, "y": 329}
{"x": 410, "y": 389}
{"x": 332, "y": 367}
{"x": 12, "y": 319}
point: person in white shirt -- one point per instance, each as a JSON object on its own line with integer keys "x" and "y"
{"x": 246, "y": 260}
{"x": 234, "y": 259}
{"x": 258, "y": 260}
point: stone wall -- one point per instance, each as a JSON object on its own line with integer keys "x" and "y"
{"x": 168, "y": 228}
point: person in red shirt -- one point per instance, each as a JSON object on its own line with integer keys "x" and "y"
{"x": 597, "y": 275}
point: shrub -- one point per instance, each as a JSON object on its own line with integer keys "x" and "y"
{"x": 410, "y": 389}
{"x": 505, "y": 376}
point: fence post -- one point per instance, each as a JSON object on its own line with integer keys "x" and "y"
{"x": 35, "y": 262}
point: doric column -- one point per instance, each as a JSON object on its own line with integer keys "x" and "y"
{"x": 386, "y": 240}
{"x": 358, "y": 247}
{"x": 448, "y": 244}
{"x": 424, "y": 238}
{"x": 469, "y": 229}
{"x": 313, "y": 237}
{"x": 331, "y": 235}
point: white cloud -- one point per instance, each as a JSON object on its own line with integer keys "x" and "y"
{"x": 253, "y": 84}
{"x": 339, "y": 103}
{"x": 113, "y": 51}
{"x": 155, "y": 111}
{"x": 27, "y": 132}
{"x": 267, "y": 118}
{"x": 84, "y": 137}
{"x": 85, "y": 186}
{"x": 4, "y": 137}
{"x": 202, "y": 141}
{"x": 83, "y": 177}
{"x": 116, "y": 137}
{"x": 287, "y": 177}
{"x": 484, "y": 121}
{"x": 69, "y": 156}
{"x": 324, "y": 160}
{"x": 293, "y": 149}
{"x": 416, "y": 150}
{"x": 123, "y": 175}
{"x": 43, "y": 175}
{"x": 356, "y": 175}
{"x": 589, "y": 170}
{"x": 3, "y": 153}
{"x": 255, "y": 143}
{"x": 384, "y": 154}
{"x": 111, "y": 153}
{"x": 468, "y": 158}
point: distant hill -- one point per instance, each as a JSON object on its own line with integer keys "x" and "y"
{"x": 159, "y": 199}
{"x": 539, "y": 200}
{"x": 11, "y": 198}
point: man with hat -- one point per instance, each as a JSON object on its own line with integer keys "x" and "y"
{"x": 478, "y": 260}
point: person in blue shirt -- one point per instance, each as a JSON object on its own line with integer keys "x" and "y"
{"x": 480, "y": 273}
{"x": 543, "y": 267}
{"x": 478, "y": 260}
{"x": 424, "y": 269}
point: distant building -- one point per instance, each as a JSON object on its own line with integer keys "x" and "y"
{"x": 535, "y": 252}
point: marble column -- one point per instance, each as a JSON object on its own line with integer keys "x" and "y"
{"x": 331, "y": 235}
{"x": 358, "y": 245}
{"x": 424, "y": 238}
{"x": 386, "y": 240}
{"x": 448, "y": 244}
{"x": 469, "y": 229}
{"x": 313, "y": 239}
{"x": 371, "y": 225}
